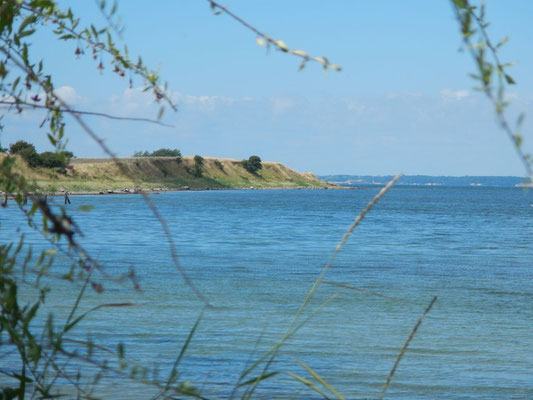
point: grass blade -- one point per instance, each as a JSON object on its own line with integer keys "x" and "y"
{"x": 320, "y": 379}
{"x": 404, "y": 348}
{"x": 273, "y": 351}
{"x": 173, "y": 373}
{"x": 308, "y": 383}
{"x": 258, "y": 378}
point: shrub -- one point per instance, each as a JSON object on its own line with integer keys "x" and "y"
{"x": 20, "y": 146}
{"x": 252, "y": 165}
{"x": 219, "y": 165}
{"x": 198, "y": 164}
{"x": 51, "y": 160}
{"x": 46, "y": 159}
{"x": 166, "y": 153}
{"x": 26, "y": 151}
{"x": 163, "y": 152}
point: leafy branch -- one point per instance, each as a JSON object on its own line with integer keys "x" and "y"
{"x": 263, "y": 39}
{"x": 491, "y": 74}
{"x": 21, "y": 104}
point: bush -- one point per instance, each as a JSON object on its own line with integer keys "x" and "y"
{"x": 219, "y": 165}
{"x": 46, "y": 159}
{"x": 198, "y": 164}
{"x": 166, "y": 153}
{"x": 21, "y": 146}
{"x": 252, "y": 165}
{"x": 160, "y": 153}
{"x": 26, "y": 151}
{"x": 49, "y": 159}
{"x": 141, "y": 154}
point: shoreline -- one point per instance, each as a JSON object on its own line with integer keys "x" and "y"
{"x": 108, "y": 192}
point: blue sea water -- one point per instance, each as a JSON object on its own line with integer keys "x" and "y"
{"x": 255, "y": 256}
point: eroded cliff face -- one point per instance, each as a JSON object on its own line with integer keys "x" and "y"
{"x": 166, "y": 172}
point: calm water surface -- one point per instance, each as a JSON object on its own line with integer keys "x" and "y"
{"x": 255, "y": 255}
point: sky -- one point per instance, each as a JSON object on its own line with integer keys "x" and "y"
{"x": 404, "y": 101}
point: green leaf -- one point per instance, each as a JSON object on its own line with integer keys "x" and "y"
{"x": 308, "y": 383}
{"x": 300, "y": 53}
{"x": 281, "y": 45}
{"x": 26, "y": 33}
{"x": 29, "y": 20}
{"x": 517, "y": 140}
{"x": 509, "y": 80}
{"x": 52, "y": 139}
{"x": 160, "y": 113}
{"x": 503, "y": 41}
{"x": 520, "y": 119}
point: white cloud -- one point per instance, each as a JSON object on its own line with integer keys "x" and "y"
{"x": 204, "y": 102}
{"x": 404, "y": 95}
{"x": 136, "y": 100}
{"x": 354, "y": 106}
{"x": 132, "y": 100}
{"x": 66, "y": 93}
{"x": 282, "y": 104}
{"x": 449, "y": 94}
{"x": 69, "y": 95}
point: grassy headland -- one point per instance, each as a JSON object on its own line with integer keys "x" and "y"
{"x": 102, "y": 174}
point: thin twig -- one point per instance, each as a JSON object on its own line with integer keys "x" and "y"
{"x": 26, "y": 105}
{"x": 278, "y": 43}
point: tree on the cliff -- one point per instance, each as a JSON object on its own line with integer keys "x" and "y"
{"x": 252, "y": 165}
{"x": 26, "y": 151}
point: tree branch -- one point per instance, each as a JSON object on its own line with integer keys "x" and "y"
{"x": 27, "y": 105}
{"x": 263, "y": 37}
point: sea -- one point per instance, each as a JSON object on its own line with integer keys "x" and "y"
{"x": 254, "y": 257}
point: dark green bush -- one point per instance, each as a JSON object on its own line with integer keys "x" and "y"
{"x": 219, "y": 165}
{"x": 198, "y": 164}
{"x": 252, "y": 165}
{"x": 46, "y": 159}
{"x": 160, "y": 153}
{"x": 51, "y": 160}
{"x": 26, "y": 151}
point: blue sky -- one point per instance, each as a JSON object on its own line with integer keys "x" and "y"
{"x": 403, "y": 102}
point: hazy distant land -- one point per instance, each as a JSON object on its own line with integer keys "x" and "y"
{"x": 426, "y": 180}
